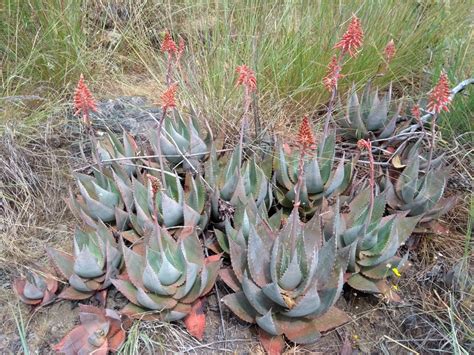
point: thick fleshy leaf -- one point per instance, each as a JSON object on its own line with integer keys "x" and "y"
{"x": 268, "y": 324}
{"x": 228, "y": 276}
{"x": 361, "y": 283}
{"x": 273, "y": 345}
{"x": 195, "y": 321}
{"x": 64, "y": 262}
{"x": 273, "y": 292}
{"x": 292, "y": 276}
{"x": 70, "y": 293}
{"x": 299, "y": 330}
{"x": 127, "y": 289}
{"x": 240, "y": 306}
{"x": 255, "y": 296}
{"x": 308, "y": 304}
{"x": 153, "y": 301}
{"x": 332, "y": 319}
{"x": 258, "y": 258}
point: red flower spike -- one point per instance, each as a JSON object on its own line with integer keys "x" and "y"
{"x": 246, "y": 77}
{"x": 416, "y": 112}
{"x": 389, "y": 51}
{"x": 155, "y": 183}
{"x": 168, "y": 45}
{"x": 84, "y": 102}
{"x": 363, "y": 144}
{"x": 352, "y": 39}
{"x": 333, "y": 75}
{"x": 440, "y": 96}
{"x": 168, "y": 97}
{"x": 305, "y": 137}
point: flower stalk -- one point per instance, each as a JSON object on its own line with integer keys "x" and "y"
{"x": 306, "y": 144}
{"x": 350, "y": 43}
{"x": 439, "y": 99}
{"x": 246, "y": 79}
{"x": 84, "y": 104}
{"x": 364, "y": 144}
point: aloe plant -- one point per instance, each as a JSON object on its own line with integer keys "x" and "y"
{"x": 373, "y": 244}
{"x": 244, "y": 216}
{"x": 168, "y": 277}
{"x": 35, "y": 289}
{"x": 100, "y": 331}
{"x": 369, "y": 117}
{"x": 418, "y": 192}
{"x": 182, "y": 209}
{"x": 233, "y": 184}
{"x": 286, "y": 281}
{"x": 181, "y": 142}
{"x": 319, "y": 179}
{"x": 95, "y": 261}
{"x": 112, "y": 148}
{"x": 101, "y": 198}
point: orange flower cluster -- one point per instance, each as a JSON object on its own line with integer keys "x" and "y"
{"x": 416, "y": 112}
{"x": 168, "y": 45}
{"x": 333, "y": 75}
{"x": 246, "y": 77}
{"x": 168, "y": 97}
{"x": 363, "y": 144}
{"x": 389, "y": 51}
{"x": 155, "y": 183}
{"x": 352, "y": 39}
{"x": 440, "y": 95}
{"x": 84, "y": 102}
{"x": 305, "y": 138}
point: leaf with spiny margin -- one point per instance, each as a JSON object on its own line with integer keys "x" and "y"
{"x": 153, "y": 301}
{"x": 298, "y": 330}
{"x": 293, "y": 275}
{"x": 326, "y": 156}
{"x": 172, "y": 211}
{"x": 239, "y": 305}
{"x": 312, "y": 175}
{"x": 281, "y": 170}
{"x": 326, "y": 261}
{"x": 390, "y": 127}
{"x": 125, "y": 190}
{"x": 353, "y": 116}
{"x": 228, "y": 276}
{"x": 407, "y": 182}
{"x": 381, "y": 271}
{"x": 177, "y": 313}
{"x": 134, "y": 264}
{"x": 259, "y": 301}
{"x": 210, "y": 271}
{"x": 108, "y": 198}
{"x": 404, "y": 226}
{"x": 267, "y": 323}
{"x": 86, "y": 265}
{"x": 222, "y": 240}
{"x": 306, "y": 304}
{"x": 258, "y": 258}
{"x": 69, "y": 293}
{"x": 63, "y": 262}
{"x": 274, "y": 292}
{"x": 330, "y": 293}
{"x": 96, "y": 209}
{"x": 364, "y": 284}
{"x": 238, "y": 254}
{"x": 378, "y": 112}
